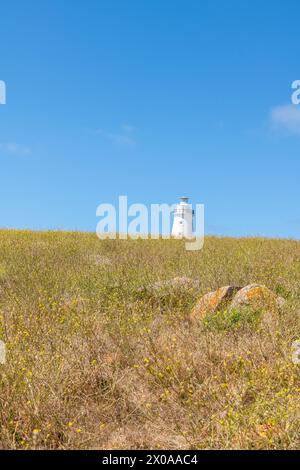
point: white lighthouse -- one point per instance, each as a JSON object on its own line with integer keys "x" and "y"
{"x": 183, "y": 219}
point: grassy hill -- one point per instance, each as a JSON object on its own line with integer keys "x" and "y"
{"x": 98, "y": 359}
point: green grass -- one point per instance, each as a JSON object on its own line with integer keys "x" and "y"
{"x": 233, "y": 319}
{"x": 96, "y": 359}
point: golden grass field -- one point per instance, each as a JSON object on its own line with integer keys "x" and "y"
{"x": 95, "y": 360}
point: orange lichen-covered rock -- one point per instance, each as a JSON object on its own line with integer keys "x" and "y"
{"x": 258, "y": 296}
{"x": 213, "y": 301}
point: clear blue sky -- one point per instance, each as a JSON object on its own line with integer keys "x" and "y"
{"x": 153, "y": 99}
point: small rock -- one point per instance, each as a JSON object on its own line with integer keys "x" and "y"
{"x": 212, "y": 301}
{"x": 258, "y": 296}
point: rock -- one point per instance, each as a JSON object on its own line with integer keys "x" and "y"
{"x": 257, "y": 296}
{"x": 231, "y": 297}
{"x": 213, "y": 301}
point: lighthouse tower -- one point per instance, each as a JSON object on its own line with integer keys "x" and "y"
{"x": 183, "y": 219}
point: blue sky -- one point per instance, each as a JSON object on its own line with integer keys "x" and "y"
{"x": 152, "y": 99}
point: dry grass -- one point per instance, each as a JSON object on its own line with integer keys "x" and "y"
{"x": 94, "y": 360}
